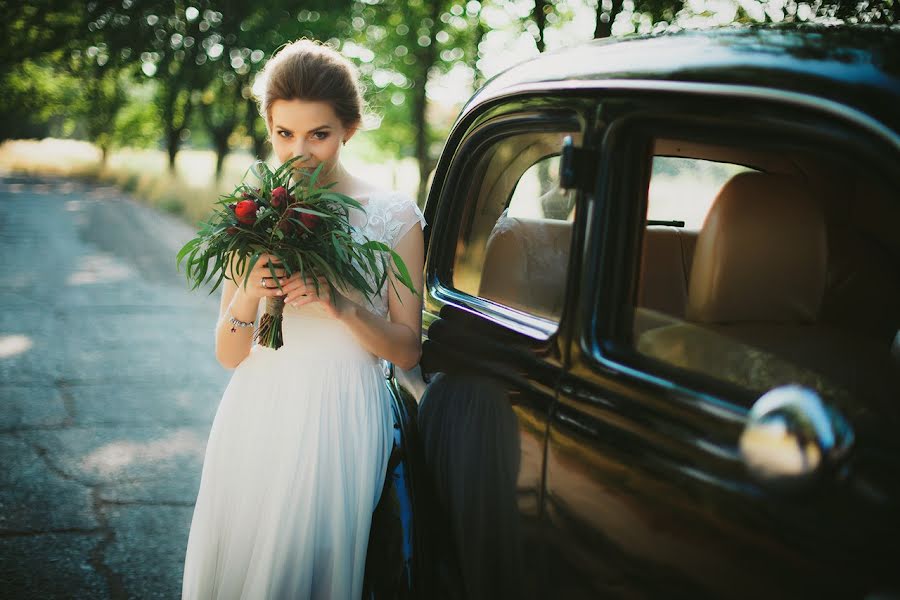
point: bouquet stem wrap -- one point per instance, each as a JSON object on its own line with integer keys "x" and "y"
{"x": 269, "y": 333}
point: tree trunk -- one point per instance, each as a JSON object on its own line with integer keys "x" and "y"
{"x": 540, "y": 19}
{"x": 258, "y": 141}
{"x": 221, "y": 144}
{"x": 480, "y": 31}
{"x": 427, "y": 57}
{"x": 173, "y": 129}
{"x": 419, "y": 122}
{"x": 173, "y": 142}
{"x": 603, "y": 26}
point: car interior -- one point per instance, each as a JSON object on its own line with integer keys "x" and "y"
{"x": 519, "y": 253}
{"x": 789, "y": 274}
{"x": 785, "y": 272}
{"x": 792, "y": 278}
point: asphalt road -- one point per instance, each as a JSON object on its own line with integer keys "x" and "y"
{"x": 109, "y": 387}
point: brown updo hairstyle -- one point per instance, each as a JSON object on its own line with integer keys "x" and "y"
{"x": 310, "y": 70}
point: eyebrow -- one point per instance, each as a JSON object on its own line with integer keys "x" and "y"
{"x": 326, "y": 126}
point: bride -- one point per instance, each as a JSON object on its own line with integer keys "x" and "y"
{"x": 298, "y": 450}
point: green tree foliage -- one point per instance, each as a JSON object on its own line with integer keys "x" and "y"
{"x": 403, "y": 46}
{"x": 122, "y": 71}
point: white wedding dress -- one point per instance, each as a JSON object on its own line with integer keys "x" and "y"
{"x": 297, "y": 454}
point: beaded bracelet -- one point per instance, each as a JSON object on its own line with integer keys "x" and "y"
{"x": 235, "y": 323}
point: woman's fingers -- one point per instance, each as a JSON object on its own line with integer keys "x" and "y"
{"x": 299, "y": 290}
{"x": 263, "y": 271}
{"x": 263, "y": 266}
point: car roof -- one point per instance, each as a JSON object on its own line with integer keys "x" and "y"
{"x": 855, "y": 66}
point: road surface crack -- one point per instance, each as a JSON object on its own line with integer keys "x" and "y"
{"x": 98, "y": 554}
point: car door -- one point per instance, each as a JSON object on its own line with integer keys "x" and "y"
{"x": 665, "y": 475}
{"x": 496, "y": 268}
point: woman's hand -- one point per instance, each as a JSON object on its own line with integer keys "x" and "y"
{"x": 260, "y": 283}
{"x": 300, "y": 291}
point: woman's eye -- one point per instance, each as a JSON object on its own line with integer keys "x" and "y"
{"x": 284, "y": 134}
{"x": 324, "y": 135}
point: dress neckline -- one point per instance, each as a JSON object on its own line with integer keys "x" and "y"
{"x": 369, "y": 196}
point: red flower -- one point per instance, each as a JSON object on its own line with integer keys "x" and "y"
{"x": 310, "y": 221}
{"x": 279, "y": 196}
{"x": 245, "y": 211}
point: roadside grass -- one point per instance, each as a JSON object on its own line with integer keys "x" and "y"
{"x": 191, "y": 191}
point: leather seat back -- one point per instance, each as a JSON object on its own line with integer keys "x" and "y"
{"x": 665, "y": 266}
{"x": 761, "y": 255}
{"x": 525, "y": 264}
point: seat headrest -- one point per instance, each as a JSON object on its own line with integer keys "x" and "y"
{"x": 761, "y": 254}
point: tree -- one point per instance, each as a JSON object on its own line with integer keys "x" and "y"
{"x": 222, "y": 108}
{"x": 403, "y": 47}
{"x": 607, "y": 10}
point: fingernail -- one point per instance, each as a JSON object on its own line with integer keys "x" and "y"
{"x": 279, "y": 292}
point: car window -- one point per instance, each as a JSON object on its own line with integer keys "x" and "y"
{"x": 682, "y": 189}
{"x": 775, "y": 278}
{"x": 513, "y": 245}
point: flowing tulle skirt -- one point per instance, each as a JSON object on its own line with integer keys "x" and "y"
{"x": 294, "y": 467}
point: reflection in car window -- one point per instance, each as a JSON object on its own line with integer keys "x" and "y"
{"x": 515, "y": 236}
{"x": 538, "y": 195}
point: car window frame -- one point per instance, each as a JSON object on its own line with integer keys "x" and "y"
{"x": 556, "y": 116}
{"x": 613, "y": 239}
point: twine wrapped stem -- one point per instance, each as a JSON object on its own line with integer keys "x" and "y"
{"x": 269, "y": 333}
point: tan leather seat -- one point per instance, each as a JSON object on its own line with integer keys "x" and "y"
{"x": 665, "y": 266}
{"x": 762, "y": 254}
{"x": 755, "y": 292}
{"x": 525, "y": 264}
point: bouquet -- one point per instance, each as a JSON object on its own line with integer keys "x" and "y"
{"x": 306, "y": 227}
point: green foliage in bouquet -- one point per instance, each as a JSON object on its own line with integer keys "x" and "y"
{"x": 307, "y": 228}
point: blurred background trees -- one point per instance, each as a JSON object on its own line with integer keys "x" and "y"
{"x": 165, "y": 74}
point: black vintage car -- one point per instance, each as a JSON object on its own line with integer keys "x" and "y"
{"x": 662, "y": 327}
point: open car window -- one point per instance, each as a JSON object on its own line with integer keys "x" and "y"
{"x": 514, "y": 240}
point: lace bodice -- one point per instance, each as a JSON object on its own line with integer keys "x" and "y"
{"x": 389, "y": 216}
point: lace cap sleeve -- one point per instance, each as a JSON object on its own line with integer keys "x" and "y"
{"x": 402, "y": 215}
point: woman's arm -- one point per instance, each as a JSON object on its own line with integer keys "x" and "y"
{"x": 398, "y": 340}
{"x": 232, "y": 347}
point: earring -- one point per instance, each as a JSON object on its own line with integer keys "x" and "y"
{"x": 345, "y": 142}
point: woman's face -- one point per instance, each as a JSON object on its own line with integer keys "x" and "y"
{"x": 310, "y": 129}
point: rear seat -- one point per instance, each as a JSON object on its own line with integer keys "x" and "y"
{"x": 665, "y": 264}
{"x": 756, "y": 289}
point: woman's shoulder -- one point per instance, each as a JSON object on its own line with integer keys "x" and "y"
{"x": 393, "y": 203}
{"x": 390, "y": 195}
{"x": 393, "y": 212}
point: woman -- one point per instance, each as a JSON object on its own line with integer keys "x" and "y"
{"x": 298, "y": 449}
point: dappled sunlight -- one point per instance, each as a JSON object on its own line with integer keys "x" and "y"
{"x": 13, "y": 345}
{"x": 50, "y": 156}
{"x": 185, "y": 399}
{"x": 99, "y": 268}
{"x": 116, "y": 456}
